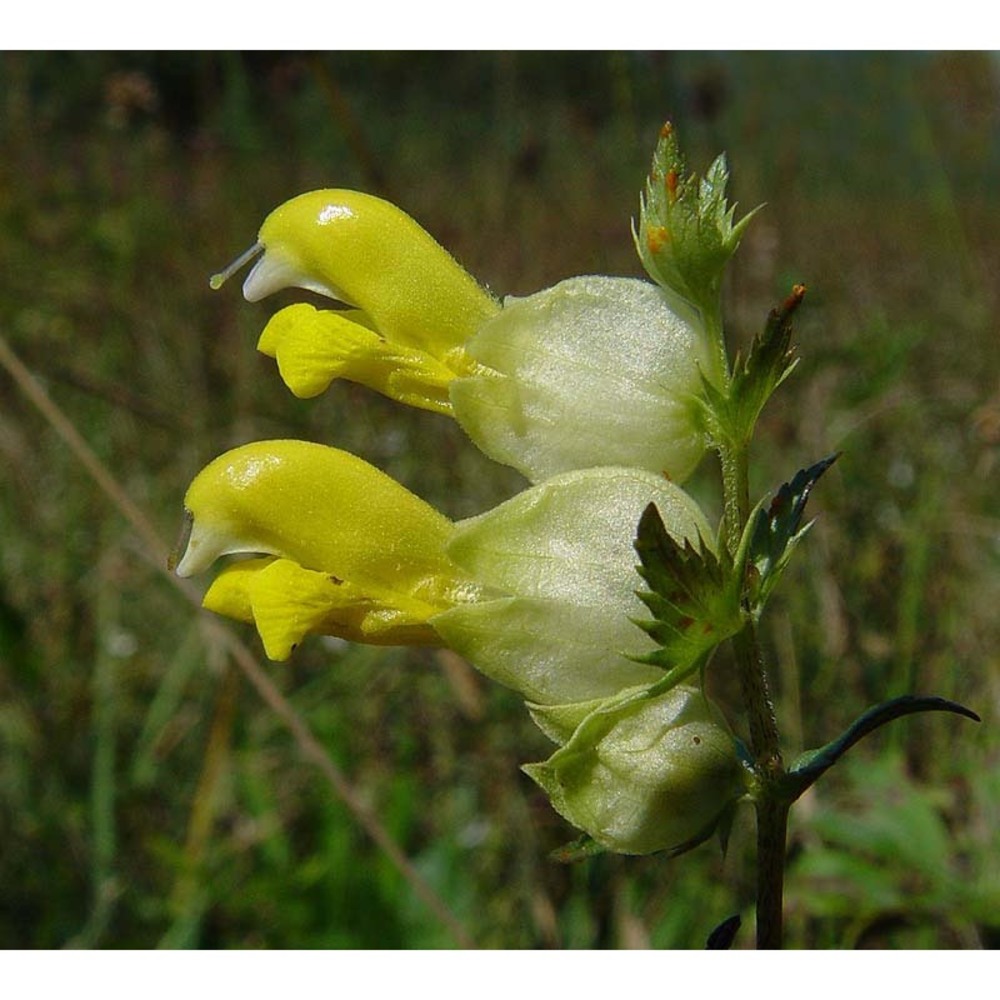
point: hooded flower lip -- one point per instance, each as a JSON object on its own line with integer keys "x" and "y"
{"x": 348, "y": 551}
{"x": 595, "y": 371}
{"x": 415, "y": 305}
{"x": 559, "y": 563}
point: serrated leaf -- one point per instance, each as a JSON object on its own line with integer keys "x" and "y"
{"x": 768, "y": 363}
{"x": 808, "y": 767}
{"x": 692, "y": 596}
{"x": 776, "y": 530}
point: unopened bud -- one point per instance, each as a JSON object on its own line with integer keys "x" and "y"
{"x": 651, "y": 774}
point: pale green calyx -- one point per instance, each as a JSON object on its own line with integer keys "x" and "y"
{"x": 596, "y": 371}
{"x": 644, "y": 774}
{"x": 560, "y": 559}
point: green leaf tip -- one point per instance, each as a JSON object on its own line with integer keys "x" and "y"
{"x": 777, "y": 529}
{"x": 807, "y": 769}
{"x": 771, "y": 357}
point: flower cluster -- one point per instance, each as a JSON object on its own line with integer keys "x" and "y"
{"x": 590, "y": 389}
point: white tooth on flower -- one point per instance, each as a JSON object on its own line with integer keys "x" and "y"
{"x": 206, "y": 543}
{"x": 275, "y": 271}
{"x": 218, "y": 280}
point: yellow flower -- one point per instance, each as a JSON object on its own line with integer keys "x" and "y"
{"x": 572, "y": 377}
{"x": 347, "y": 550}
{"x": 538, "y": 593}
{"x": 414, "y": 306}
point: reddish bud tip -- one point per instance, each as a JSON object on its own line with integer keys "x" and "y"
{"x": 671, "y": 182}
{"x": 656, "y": 237}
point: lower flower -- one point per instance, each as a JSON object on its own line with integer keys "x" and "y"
{"x": 348, "y": 551}
{"x": 538, "y": 593}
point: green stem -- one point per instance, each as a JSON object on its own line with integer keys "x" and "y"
{"x": 771, "y": 806}
{"x": 718, "y": 373}
{"x": 772, "y": 828}
{"x": 772, "y": 809}
{"x": 764, "y": 738}
{"x": 765, "y": 744}
{"x": 733, "y": 457}
{"x": 735, "y": 494}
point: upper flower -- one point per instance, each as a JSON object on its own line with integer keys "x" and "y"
{"x": 572, "y": 377}
{"x": 415, "y": 306}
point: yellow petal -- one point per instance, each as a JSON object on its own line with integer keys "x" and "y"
{"x": 229, "y": 593}
{"x": 287, "y": 603}
{"x": 368, "y": 253}
{"x": 313, "y": 347}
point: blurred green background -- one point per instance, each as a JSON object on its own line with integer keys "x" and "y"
{"x": 148, "y": 796}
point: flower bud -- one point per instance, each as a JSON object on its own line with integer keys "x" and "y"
{"x": 686, "y": 232}
{"x": 646, "y": 774}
